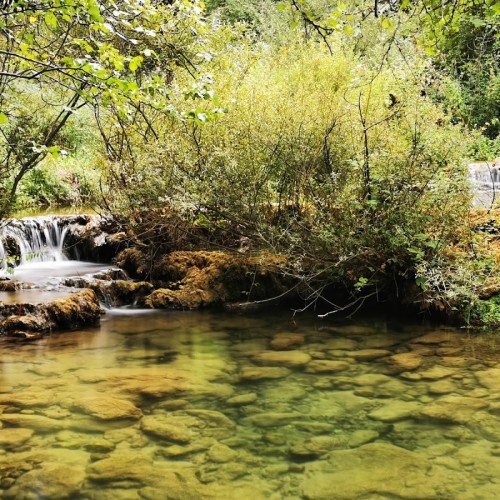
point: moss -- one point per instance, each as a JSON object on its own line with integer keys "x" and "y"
{"x": 134, "y": 262}
{"x": 79, "y": 309}
{"x": 486, "y": 312}
{"x": 202, "y": 279}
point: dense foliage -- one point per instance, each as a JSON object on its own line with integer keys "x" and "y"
{"x": 336, "y": 136}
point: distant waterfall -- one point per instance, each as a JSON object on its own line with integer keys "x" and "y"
{"x": 485, "y": 178}
{"x": 37, "y": 239}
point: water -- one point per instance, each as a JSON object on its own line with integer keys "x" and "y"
{"x": 485, "y": 178}
{"x": 210, "y": 406}
{"x": 32, "y": 251}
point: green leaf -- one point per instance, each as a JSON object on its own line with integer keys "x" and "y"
{"x": 421, "y": 282}
{"x": 135, "y": 63}
{"x": 51, "y": 19}
{"x": 54, "y": 151}
{"x": 3, "y": 119}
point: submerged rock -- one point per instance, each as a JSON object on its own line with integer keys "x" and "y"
{"x": 48, "y": 480}
{"x": 108, "y": 408}
{"x": 377, "y": 470}
{"x": 405, "y": 361}
{"x": 288, "y": 359}
{"x": 286, "y": 341}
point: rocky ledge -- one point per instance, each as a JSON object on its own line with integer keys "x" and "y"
{"x": 31, "y": 321}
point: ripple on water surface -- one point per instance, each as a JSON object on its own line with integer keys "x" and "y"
{"x": 199, "y": 405}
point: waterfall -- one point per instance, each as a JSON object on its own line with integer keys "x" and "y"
{"x": 33, "y": 239}
{"x": 485, "y": 179}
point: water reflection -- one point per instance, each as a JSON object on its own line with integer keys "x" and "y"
{"x": 198, "y": 405}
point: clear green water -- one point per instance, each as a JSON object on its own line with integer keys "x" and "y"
{"x": 198, "y": 405}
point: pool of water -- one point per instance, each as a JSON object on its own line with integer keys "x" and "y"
{"x": 157, "y": 405}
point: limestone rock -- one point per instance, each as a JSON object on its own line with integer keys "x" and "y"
{"x": 489, "y": 378}
{"x": 395, "y": 410}
{"x": 319, "y": 445}
{"x": 48, "y": 480}
{"x": 122, "y": 466}
{"x": 405, "y": 361}
{"x": 439, "y": 337}
{"x": 108, "y": 408}
{"x": 220, "y": 453}
{"x": 375, "y": 470}
{"x": 368, "y": 354}
{"x": 254, "y": 373}
{"x": 211, "y": 417}
{"x": 11, "y": 438}
{"x": 286, "y": 341}
{"x": 171, "y": 432}
{"x": 242, "y": 399}
{"x": 288, "y": 359}
{"x": 35, "y": 422}
{"x": 437, "y": 372}
{"x": 273, "y": 419}
{"x": 457, "y": 409}
{"x": 341, "y": 343}
{"x": 327, "y": 366}
{"x": 361, "y": 437}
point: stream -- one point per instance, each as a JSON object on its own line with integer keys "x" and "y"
{"x": 195, "y": 405}
{"x": 204, "y": 405}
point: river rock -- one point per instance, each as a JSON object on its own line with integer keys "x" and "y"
{"x": 378, "y": 385}
{"x": 318, "y": 445}
{"x": 28, "y": 398}
{"x": 368, "y": 354}
{"x": 290, "y": 359}
{"x": 489, "y": 378}
{"x": 456, "y": 409}
{"x": 35, "y": 422}
{"x": 78, "y": 310}
{"x": 375, "y": 470}
{"x": 486, "y": 425}
{"x": 12, "y": 438}
{"x": 273, "y": 419}
{"x": 122, "y": 466}
{"x": 211, "y": 417}
{"x": 405, "y": 361}
{"x": 220, "y": 453}
{"x": 327, "y": 366}
{"x": 286, "y": 341}
{"x": 340, "y": 343}
{"x": 439, "y": 337}
{"x": 177, "y": 450}
{"x": 153, "y": 424}
{"x": 255, "y": 373}
{"x": 436, "y": 373}
{"x": 361, "y": 437}
{"x": 108, "y": 408}
{"x": 242, "y": 399}
{"x": 48, "y": 480}
{"x": 395, "y": 410}
{"x": 442, "y": 387}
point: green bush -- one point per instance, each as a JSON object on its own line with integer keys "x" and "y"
{"x": 351, "y": 171}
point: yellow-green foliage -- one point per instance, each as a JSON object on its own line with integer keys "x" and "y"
{"x": 331, "y": 158}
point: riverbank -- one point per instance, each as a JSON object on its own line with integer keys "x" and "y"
{"x": 188, "y": 268}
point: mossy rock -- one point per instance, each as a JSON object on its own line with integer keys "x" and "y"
{"x": 486, "y": 312}
{"x": 77, "y": 310}
{"x": 197, "y": 279}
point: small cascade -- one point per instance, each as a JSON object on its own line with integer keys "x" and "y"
{"x": 485, "y": 179}
{"x": 36, "y": 239}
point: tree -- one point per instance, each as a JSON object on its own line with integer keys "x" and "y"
{"x": 117, "y": 57}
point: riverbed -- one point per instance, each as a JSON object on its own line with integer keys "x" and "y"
{"x": 199, "y": 405}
